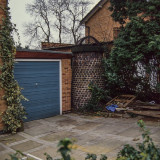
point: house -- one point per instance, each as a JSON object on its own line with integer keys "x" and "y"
{"x": 99, "y": 23}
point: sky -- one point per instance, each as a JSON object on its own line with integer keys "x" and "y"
{"x": 19, "y": 15}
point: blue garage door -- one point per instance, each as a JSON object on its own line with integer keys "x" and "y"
{"x": 41, "y": 86}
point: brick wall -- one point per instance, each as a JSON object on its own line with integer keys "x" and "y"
{"x": 50, "y": 45}
{"x": 87, "y": 68}
{"x": 2, "y": 4}
{"x": 102, "y": 25}
{"x": 66, "y": 84}
{"x": 62, "y": 47}
{"x": 2, "y": 102}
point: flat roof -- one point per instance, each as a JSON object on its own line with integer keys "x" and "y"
{"x": 42, "y": 54}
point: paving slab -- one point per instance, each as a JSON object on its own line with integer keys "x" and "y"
{"x": 92, "y": 134}
{"x": 58, "y": 136}
{"x": 131, "y": 132}
{"x": 5, "y": 156}
{"x": 28, "y": 125}
{"x": 11, "y": 139}
{"x": 38, "y": 130}
{"x": 110, "y": 129}
{"x": 101, "y": 147}
{"x": 78, "y": 155}
{"x": 87, "y": 138}
{"x": 156, "y": 136}
{"x": 67, "y": 121}
{"x": 25, "y": 146}
{"x": 52, "y": 151}
{"x": 55, "y": 118}
{"x": 87, "y": 126}
{"x": 2, "y": 148}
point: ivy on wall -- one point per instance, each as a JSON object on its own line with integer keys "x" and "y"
{"x": 13, "y": 116}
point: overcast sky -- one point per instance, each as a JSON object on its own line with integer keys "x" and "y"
{"x": 19, "y": 15}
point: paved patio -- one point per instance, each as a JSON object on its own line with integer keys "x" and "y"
{"x": 92, "y": 134}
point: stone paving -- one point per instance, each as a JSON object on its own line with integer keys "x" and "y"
{"x": 92, "y": 134}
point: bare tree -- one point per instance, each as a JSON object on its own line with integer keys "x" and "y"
{"x": 40, "y": 28}
{"x": 60, "y": 17}
{"x": 76, "y": 11}
{"x": 58, "y": 7}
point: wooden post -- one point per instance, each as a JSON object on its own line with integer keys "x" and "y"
{"x": 3, "y": 106}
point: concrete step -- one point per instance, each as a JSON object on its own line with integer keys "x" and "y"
{"x": 154, "y": 114}
{"x": 149, "y": 107}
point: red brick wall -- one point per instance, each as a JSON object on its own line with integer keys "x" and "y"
{"x": 49, "y": 45}
{"x": 3, "y": 5}
{"x": 62, "y": 47}
{"x": 102, "y": 25}
{"x": 66, "y": 84}
{"x": 2, "y": 102}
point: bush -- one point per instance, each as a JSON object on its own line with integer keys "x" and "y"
{"x": 98, "y": 99}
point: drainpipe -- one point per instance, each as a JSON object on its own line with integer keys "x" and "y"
{"x": 88, "y": 33}
{"x": 88, "y": 30}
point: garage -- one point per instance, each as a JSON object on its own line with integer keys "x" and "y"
{"x": 45, "y": 79}
{"x": 40, "y": 80}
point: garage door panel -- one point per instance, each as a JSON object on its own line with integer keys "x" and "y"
{"x": 47, "y": 89}
{"x": 43, "y": 99}
{"x": 42, "y": 109}
{"x": 27, "y": 76}
{"x": 41, "y": 85}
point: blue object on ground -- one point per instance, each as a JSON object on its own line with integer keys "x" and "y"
{"x": 112, "y": 107}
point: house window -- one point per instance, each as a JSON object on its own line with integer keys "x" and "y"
{"x": 116, "y": 31}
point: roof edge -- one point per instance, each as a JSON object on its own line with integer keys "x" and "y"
{"x": 93, "y": 11}
{"x": 42, "y": 51}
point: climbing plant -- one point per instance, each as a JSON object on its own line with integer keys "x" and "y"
{"x": 13, "y": 116}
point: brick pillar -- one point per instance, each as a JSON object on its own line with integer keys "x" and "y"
{"x": 87, "y": 67}
{"x": 3, "y": 106}
{"x": 66, "y": 84}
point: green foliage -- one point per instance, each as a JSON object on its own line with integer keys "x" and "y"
{"x": 97, "y": 100}
{"x": 65, "y": 148}
{"x": 15, "y": 113}
{"x": 135, "y": 58}
{"x": 126, "y": 9}
{"x": 94, "y": 157}
{"x": 17, "y": 156}
{"x": 146, "y": 150}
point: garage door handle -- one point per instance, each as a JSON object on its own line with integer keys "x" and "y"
{"x": 36, "y": 84}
